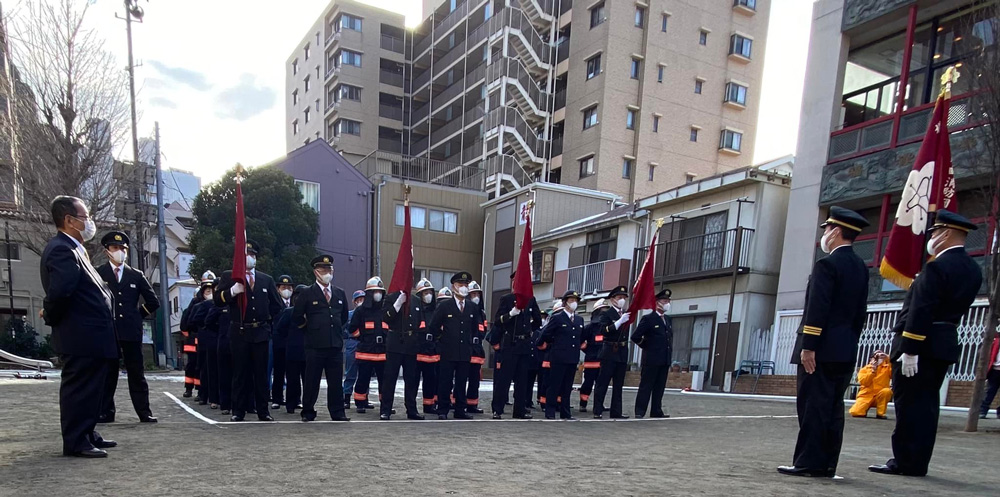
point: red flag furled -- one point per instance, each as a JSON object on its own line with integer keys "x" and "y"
{"x": 240, "y": 243}
{"x": 644, "y": 292}
{"x": 522, "y": 289}
{"x": 929, "y": 187}
{"x": 402, "y": 275}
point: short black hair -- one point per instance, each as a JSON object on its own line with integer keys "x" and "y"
{"x": 62, "y": 206}
{"x": 849, "y": 234}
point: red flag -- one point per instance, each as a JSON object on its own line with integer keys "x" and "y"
{"x": 644, "y": 292}
{"x": 929, "y": 187}
{"x": 522, "y": 289}
{"x": 240, "y": 246}
{"x": 402, "y": 275}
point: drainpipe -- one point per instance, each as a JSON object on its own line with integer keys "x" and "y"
{"x": 482, "y": 267}
{"x": 378, "y": 226}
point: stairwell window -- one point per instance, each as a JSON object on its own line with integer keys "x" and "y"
{"x": 587, "y": 167}
{"x": 635, "y": 69}
{"x": 651, "y": 169}
{"x": 627, "y": 166}
{"x": 703, "y": 37}
{"x": 630, "y": 119}
{"x": 295, "y": 127}
{"x": 663, "y": 22}
{"x": 698, "y": 84}
{"x": 597, "y": 16}
{"x": 590, "y": 117}
{"x": 659, "y": 74}
{"x": 640, "y": 16}
{"x": 593, "y": 66}
{"x": 306, "y": 112}
{"x": 306, "y": 83}
{"x": 656, "y": 124}
{"x": 306, "y": 51}
{"x": 694, "y": 134}
{"x": 295, "y": 67}
{"x": 295, "y": 97}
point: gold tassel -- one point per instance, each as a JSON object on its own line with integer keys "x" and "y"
{"x": 890, "y": 273}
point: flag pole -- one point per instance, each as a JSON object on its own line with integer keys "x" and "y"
{"x": 950, "y": 75}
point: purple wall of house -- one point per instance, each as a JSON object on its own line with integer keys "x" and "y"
{"x": 344, "y": 209}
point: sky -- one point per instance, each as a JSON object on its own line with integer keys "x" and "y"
{"x": 212, "y": 74}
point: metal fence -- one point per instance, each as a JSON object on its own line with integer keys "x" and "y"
{"x": 588, "y": 278}
{"x": 423, "y": 170}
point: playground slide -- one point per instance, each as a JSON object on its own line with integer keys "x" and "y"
{"x": 36, "y": 364}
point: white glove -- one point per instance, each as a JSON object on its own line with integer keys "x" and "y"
{"x": 236, "y": 289}
{"x": 622, "y": 320}
{"x": 909, "y": 364}
{"x": 399, "y": 302}
{"x": 514, "y": 312}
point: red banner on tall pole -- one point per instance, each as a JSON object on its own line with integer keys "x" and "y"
{"x": 402, "y": 274}
{"x": 240, "y": 243}
{"x": 521, "y": 288}
{"x": 644, "y": 292}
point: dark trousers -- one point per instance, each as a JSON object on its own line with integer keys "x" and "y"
{"x": 204, "y": 382}
{"x": 472, "y": 391}
{"x": 191, "y": 372}
{"x": 612, "y": 373}
{"x": 560, "y": 388}
{"x": 210, "y": 371}
{"x": 250, "y": 377}
{"x": 589, "y": 378}
{"x": 225, "y": 363}
{"x": 820, "y": 405}
{"x": 318, "y": 361}
{"x": 652, "y": 382}
{"x": 452, "y": 377}
{"x": 278, "y": 376}
{"x": 81, "y": 394}
{"x": 138, "y": 389}
{"x": 534, "y": 378}
{"x": 918, "y": 404}
{"x": 543, "y": 384}
{"x": 428, "y": 372}
{"x": 992, "y": 385}
{"x": 411, "y": 377}
{"x": 513, "y": 369}
{"x": 365, "y": 371}
{"x": 294, "y": 371}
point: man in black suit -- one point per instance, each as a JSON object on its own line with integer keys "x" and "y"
{"x": 127, "y": 285}
{"x": 514, "y": 339}
{"x": 455, "y": 323}
{"x": 655, "y": 336}
{"x": 826, "y": 348}
{"x": 926, "y": 342}
{"x": 78, "y": 306}
{"x": 249, "y": 332}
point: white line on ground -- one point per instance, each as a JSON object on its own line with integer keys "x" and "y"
{"x": 191, "y": 411}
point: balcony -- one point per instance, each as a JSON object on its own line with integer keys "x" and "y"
{"x": 451, "y": 20}
{"x": 390, "y": 78}
{"x": 394, "y": 112}
{"x": 711, "y": 255}
{"x": 420, "y": 169}
{"x": 392, "y": 44}
{"x": 592, "y": 278}
{"x": 390, "y": 145}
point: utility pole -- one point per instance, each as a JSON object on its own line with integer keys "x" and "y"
{"x": 161, "y": 234}
{"x": 132, "y": 9}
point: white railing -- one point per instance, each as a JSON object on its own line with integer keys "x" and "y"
{"x": 586, "y": 279}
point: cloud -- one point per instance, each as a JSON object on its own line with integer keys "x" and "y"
{"x": 162, "y": 102}
{"x": 245, "y": 100}
{"x": 194, "y": 79}
{"x": 156, "y": 84}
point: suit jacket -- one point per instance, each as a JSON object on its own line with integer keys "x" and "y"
{"x": 615, "y": 340}
{"x": 323, "y": 323}
{"x": 655, "y": 336}
{"x": 291, "y": 336}
{"x": 517, "y": 330}
{"x": 405, "y": 332}
{"x": 594, "y": 338}
{"x": 78, "y": 305}
{"x": 938, "y": 298}
{"x": 263, "y": 306}
{"x": 128, "y": 312}
{"x": 368, "y": 325}
{"x": 198, "y": 320}
{"x": 561, "y": 338}
{"x": 836, "y": 306}
{"x": 455, "y": 330}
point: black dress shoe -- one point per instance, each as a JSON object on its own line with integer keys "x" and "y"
{"x": 384, "y": 417}
{"x": 266, "y": 417}
{"x": 442, "y": 417}
{"x": 251, "y": 411}
{"x": 797, "y": 471}
{"x": 361, "y": 410}
{"x": 236, "y": 418}
{"x": 462, "y": 415}
{"x": 570, "y": 418}
{"x": 187, "y": 394}
{"x": 583, "y": 409}
{"x": 202, "y": 402}
{"x": 415, "y": 417}
{"x": 105, "y": 444}
{"x": 225, "y": 412}
{"x": 497, "y": 415}
{"x": 623, "y": 416}
{"x": 341, "y": 418}
{"x": 885, "y": 469}
{"x": 639, "y": 416}
{"x": 148, "y": 419}
{"x": 659, "y": 415}
{"x": 524, "y": 416}
{"x": 550, "y": 417}
{"x": 475, "y": 411}
{"x": 91, "y": 453}
{"x": 881, "y": 417}
{"x": 598, "y": 416}
{"x": 982, "y": 415}
{"x": 106, "y": 419}
{"x": 275, "y": 405}
{"x": 308, "y": 417}
{"x": 290, "y": 411}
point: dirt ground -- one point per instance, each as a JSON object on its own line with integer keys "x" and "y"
{"x": 710, "y": 446}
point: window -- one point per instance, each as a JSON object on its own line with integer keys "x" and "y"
{"x": 331, "y": 129}
{"x": 736, "y": 93}
{"x": 306, "y": 112}
{"x": 351, "y": 58}
{"x": 694, "y": 134}
{"x": 350, "y": 92}
{"x": 730, "y": 140}
{"x": 740, "y": 45}
{"x": 750, "y": 4}
{"x": 698, "y": 244}
{"x": 597, "y": 15}
{"x": 347, "y": 126}
{"x": 587, "y": 167}
{"x": 656, "y": 124}
{"x": 602, "y": 245}
{"x": 703, "y": 37}
{"x": 651, "y": 169}
{"x": 593, "y": 66}
{"x": 590, "y": 117}
{"x": 663, "y": 22}
{"x": 659, "y": 74}
{"x": 306, "y": 83}
{"x": 295, "y": 97}
{"x": 630, "y": 119}
{"x": 14, "y": 253}
{"x": 443, "y": 221}
{"x": 306, "y": 50}
{"x": 317, "y": 105}
{"x": 295, "y": 127}
{"x": 295, "y": 67}
{"x": 418, "y": 217}
{"x": 640, "y": 15}
{"x": 697, "y": 86}
{"x": 635, "y": 68}
{"x": 627, "y": 168}
{"x": 452, "y": 5}
{"x": 317, "y": 72}
{"x": 350, "y": 22}
{"x": 429, "y": 219}
{"x": 310, "y": 193}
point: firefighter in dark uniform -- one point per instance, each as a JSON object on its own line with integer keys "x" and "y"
{"x": 218, "y": 319}
{"x": 455, "y": 322}
{"x": 562, "y": 338}
{"x": 546, "y": 365}
{"x": 208, "y": 351}
{"x": 402, "y": 344}
{"x": 614, "y": 354}
{"x": 826, "y": 348}
{"x": 320, "y": 311}
{"x": 250, "y": 332}
{"x": 592, "y": 353}
{"x": 368, "y": 325}
{"x": 655, "y": 336}
{"x": 127, "y": 285}
{"x": 515, "y": 346}
{"x": 190, "y": 334}
{"x": 285, "y": 288}
{"x": 478, "y": 352}
{"x": 535, "y": 365}
{"x": 428, "y": 357}
{"x": 292, "y": 353}
{"x": 925, "y": 344}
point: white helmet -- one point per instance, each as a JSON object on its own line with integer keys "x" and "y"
{"x": 424, "y": 284}
{"x": 444, "y": 293}
{"x": 601, "y": 303}
{"x": 207, "y": 276}
{"x": 374, "y": 283}
{"x": 557, "y": 305}
{"x": 474, "y": 287}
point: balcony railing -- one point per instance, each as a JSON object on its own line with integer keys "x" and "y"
{"x": 449, "y": 93}
{"x": 422, "y": 79}
{"x": 388, "y": 111}
{"x": 591, "y": 278}
{"x": 390, "y": 78}
{"x": 514, "y": 69}
{"x": 557, "y": 146}
{"x": 513, "y": 120}
{"x": 392, "y": 44}
{"x": 452, "y": 19}
{"x": 702, "y": 256}
{"x": 421, "y": 113}
{"x": 452, "y": 127}
{"x": 506, "y": 165}
{"x": 560, "y": 99}
{"x": 422, "y": 169}
{"x": 390, "y": 145}
{"x": 419, "y": 146}
{"x": 562, "y": 52}
{"x": 453, "y": 55}
{"x": 588, "y": 279}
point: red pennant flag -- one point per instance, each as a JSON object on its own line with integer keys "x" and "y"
{"x": 240, "y": 245}
{"x": 644, "y": 292}
{"x": 929, "y": 187}
{"x": 402, "y": 275}
{"x": 522, "y": 288}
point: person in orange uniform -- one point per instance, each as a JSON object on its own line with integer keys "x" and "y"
{"x": 369, "y": 327}
{"x": 478, "y": 357}
{"x": 874, "y": 379}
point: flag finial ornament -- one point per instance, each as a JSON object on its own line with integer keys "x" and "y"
{"x": 949, "y": 78}
{"x": 659, "y": 223}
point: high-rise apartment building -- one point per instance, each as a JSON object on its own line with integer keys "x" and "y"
{"x": 629, "y": 97}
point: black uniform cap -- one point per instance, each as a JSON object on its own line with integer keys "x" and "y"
{"x": 252, "y": 247}
{"x": 618, "y": 290}
{"x": 845, "y": 218}
{"x": 285, "y": 280}
{"x": 948, "y": 219}
{"x": 572, "y": 293}
{"x": 461, "y": 276}
{"x": 115, "y": 238}
{"x": 664, "y": 294}
{"x": 322, "y": 260}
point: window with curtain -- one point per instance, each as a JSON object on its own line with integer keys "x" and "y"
{"x": 310, "y": 193}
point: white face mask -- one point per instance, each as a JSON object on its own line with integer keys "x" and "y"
{"x": 475, "y": 300}
{"x": 824, "y": 242}
{"x": 428, "y": 298}
{"x": 89, "y": 229}
{"x": 286, "y": 294}
{"x": 572, "y": 306}
{"x": 118, "y": 257}
{"x": 620, "y": 303}
{"x": 251, "y": 262}
{"x": 377, "y": 296}
{"x": 208, "y": 295}
{"x": 463, "y": 291}
{"x": 665, "y": 308}
{"x": 932, "y": 246}
{"x": 325, "y": 278}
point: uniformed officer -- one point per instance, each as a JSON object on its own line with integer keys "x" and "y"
{"x": 614, "y": 354}
{"x": 293, "y": 352}
{"x": 285, "y": 288}
{"x": 406, "y": 330}
{"x": 127, "y": 285}
{"x": 189, "y": 331}
{"x": 478, "y": 357}
{"x": 250, "y": 331}
{"x": 545, "y": 367}
{"x": 592, "y": 354}
{"x": 514, "y": 343}
{"x": 321, "y": 311}
{"x": 208, "y": 351}
{"x": 368, "y": 325}
{"x": 655, "y": 336}
{"x": 826, "y": 348}
{"x": 455, "y": 322}
{"x": 218, "y": 319}
{"x": 562, "y": 337}
{"x": 350, "y": 348}
{"x": 926, "y": 342}
{"x": 535, "y": 366}
{"x": 428, "y": 357}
